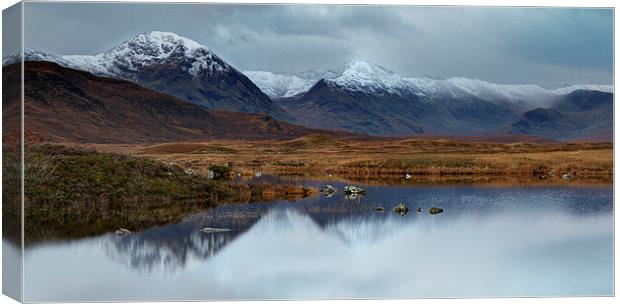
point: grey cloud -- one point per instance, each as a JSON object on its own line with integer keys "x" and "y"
{"x": 547, "y": 46}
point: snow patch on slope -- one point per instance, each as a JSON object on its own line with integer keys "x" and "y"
{"x": 32, "y": 55}
{"x": 277, "y": 85}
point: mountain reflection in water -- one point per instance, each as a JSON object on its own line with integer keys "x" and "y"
{"x": 550, "y": 241}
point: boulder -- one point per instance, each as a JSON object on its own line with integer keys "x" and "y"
{"x": 348, "y": 190}
{"x": 435, "y": 210}
{"x": 567, "y": 176}
{"x": 401, "y": 209}
{"x": 407, "y": 176}
{"x": 220, "y": 171}
{"x": 122, "y": 231}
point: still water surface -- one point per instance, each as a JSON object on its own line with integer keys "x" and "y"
{"x": 489, "y": 242}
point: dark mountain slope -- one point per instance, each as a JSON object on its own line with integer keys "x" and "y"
{"x": 396, "y": 114}
{"x": 63, "y": 104}
{"x": 580, "y": 115}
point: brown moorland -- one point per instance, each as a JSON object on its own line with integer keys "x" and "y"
{"x": 424, "y": 159}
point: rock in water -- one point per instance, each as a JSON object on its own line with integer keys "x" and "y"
{"x": 352, "y": 192}
{"x": 435, "y": 210}
{"x": 348, "y": 190}
{"x": 329, "y": 190}
{"x": 379, "y": 208}
{"x": 401, "y": 209}
{"x": 122, "y": 231}
{"x": 214, "y": 230}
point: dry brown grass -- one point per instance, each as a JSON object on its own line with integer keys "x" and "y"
{"x": 321, "y": 155}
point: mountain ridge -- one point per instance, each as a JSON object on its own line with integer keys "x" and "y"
{"x": 68, "y": 105}
{"x": 370, "y": 77}
{"x": 175, "y": 65}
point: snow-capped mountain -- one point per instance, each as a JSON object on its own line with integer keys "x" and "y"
{"x": 152, "y": 48}
{"x": 174, "y": 65}
{"x": 354, "y": 75}
{"x": 129, "y": 57}
{"x": 365, "y": 97}
{"x": 367, "y": 77}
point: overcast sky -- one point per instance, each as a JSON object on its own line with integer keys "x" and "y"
{"x": 547, "y": 46}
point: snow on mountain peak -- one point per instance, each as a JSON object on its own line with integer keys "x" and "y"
{"x": 366, "y": 76}
{"x": 156, "y": 46}
{"x": 132, "y": 55}
{"x": 355, "y": 68}
{"x": 166, "y": 41}
{"x": 151, "y": 48}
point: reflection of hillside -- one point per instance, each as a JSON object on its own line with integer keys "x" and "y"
{"x": 154, "y": 251}
{"x": 171, "y": 247}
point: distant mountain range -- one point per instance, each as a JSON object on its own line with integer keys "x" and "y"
{"x": 364, "y": 97}
{"x": 370, "y": 77}
{"x": 357, "y": 96}
{"x": 68, "y": 105}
